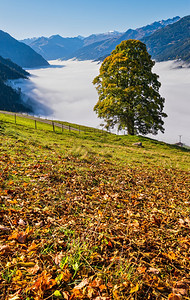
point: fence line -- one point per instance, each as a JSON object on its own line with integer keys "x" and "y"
{"x": 52, "y": 123}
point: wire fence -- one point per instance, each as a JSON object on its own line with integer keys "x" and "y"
{"x": 53, "y": 124}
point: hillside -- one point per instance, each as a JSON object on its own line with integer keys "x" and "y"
{"x": 90, "y": 215}
{"x": 10, "y": 70}
{"x": 19, "y": 53}
{"x": 171, "y": 42}
{"x": 10, "y": 99}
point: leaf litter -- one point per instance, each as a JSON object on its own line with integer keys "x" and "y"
{"x": 74, "y": 228}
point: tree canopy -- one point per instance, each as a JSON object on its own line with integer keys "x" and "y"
{"x": 129, "y": 91}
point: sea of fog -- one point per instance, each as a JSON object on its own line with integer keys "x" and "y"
{"x": 64, "y": 91}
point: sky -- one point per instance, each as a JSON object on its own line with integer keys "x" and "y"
{"x": 27, "y": 19}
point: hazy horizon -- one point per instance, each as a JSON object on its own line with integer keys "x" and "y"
{"x": 66, "y": 89}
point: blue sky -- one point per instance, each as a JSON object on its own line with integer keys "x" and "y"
{"x": 29, "y": 18}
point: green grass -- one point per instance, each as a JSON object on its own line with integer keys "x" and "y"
{"x": 114, "y": 148}
{"x": 91, "y": 208}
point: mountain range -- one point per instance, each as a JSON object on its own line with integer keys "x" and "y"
{"x": 171, "y": 42}
{"x": 19, "y": 53}
{"x": 166, "y": 39}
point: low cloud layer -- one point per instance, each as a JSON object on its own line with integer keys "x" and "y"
{"x": 66, "y": 89}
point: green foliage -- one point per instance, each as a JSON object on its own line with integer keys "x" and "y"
{"x": 129, "y": 91}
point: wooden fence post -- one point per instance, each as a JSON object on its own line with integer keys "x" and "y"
{"x": 69, "y": 128}
{"x": 35, "y": 124}
{"x": 53, "y": 126}
{"x": 15, "y": 118}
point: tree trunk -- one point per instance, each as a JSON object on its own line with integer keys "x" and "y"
{"x": 130, "y": 127}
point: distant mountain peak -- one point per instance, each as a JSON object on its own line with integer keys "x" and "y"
{"x": 95, "y": 45}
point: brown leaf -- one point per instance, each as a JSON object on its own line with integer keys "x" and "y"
{"x": 4, "y": 228}
{"x": 173, "y": 296}
{"x": 83, "y": 283}
{"x": 102, "y": 287}
{"x": 21, "y": 222}
{"x": 141, "y": 269}
{"x": 58, "y": 258}
{"x": 153, "y": 271}
{"x": 157, "y": 221}
{"x": 32, "y": 247}
{"x": 15, "y": 296}
{"x": 4, "y": 248}
{"x": 181, "y": 287}
{"x": 66, "y": 295}
{"x": 39, "y": 224}
{"x": 34, "y": 270}
{"x": 43, "y": 283}
{"x": 91, "y": 292}
{"x": 21, "y": 237}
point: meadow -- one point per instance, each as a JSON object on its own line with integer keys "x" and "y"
{"x": 91, "y": 215}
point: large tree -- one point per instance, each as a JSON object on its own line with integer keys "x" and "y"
{"x": 129, "y": 91}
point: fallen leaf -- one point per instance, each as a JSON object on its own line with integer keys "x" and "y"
{"x": 153, "y": 271}
{"x": 4, "y": 248}
{"x": 39, "y": 224}
{"x": 4, "y": 228}
{"x": 21, "y": 222}
{"x": 66, "y": 295}
{"x": 181, "y": 288}
{"x": 15, "y": 296}
{"x": 90, "y": 292}
{"x": 173, "y": 296}
{"x": 134, "y": 288}
{"x": 58, "y": 294}
{"x": 141, "y": 269}
{"x": 83, "y": 283}
{"x": 44, "y": 282}
{"x": 64, "y": 276}
{"x": 172, "y": 255}
{"x": 58, "y": 258}
{"x": 34, "y": 270}
{"x": 21, "y": 237}
{"x": 102, "y": 287}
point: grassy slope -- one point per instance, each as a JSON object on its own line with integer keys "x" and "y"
{"x": 92, "y": 209}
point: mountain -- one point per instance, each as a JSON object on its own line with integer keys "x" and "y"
{"x": 104, "y": 47}
{"x": 19, "y": 53}
{"x": 56, "y": 46}
{"x": 28, "y": 41}
{"x": 94, "y": 38}
{"x": 147, "y": 30}
{"x": 91, "y": 47}
{"x": 10, "y": 99}
{"x": 165, "y": 40}
{"x": 10, "y": 70}
{"x": 171, "y": 42}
